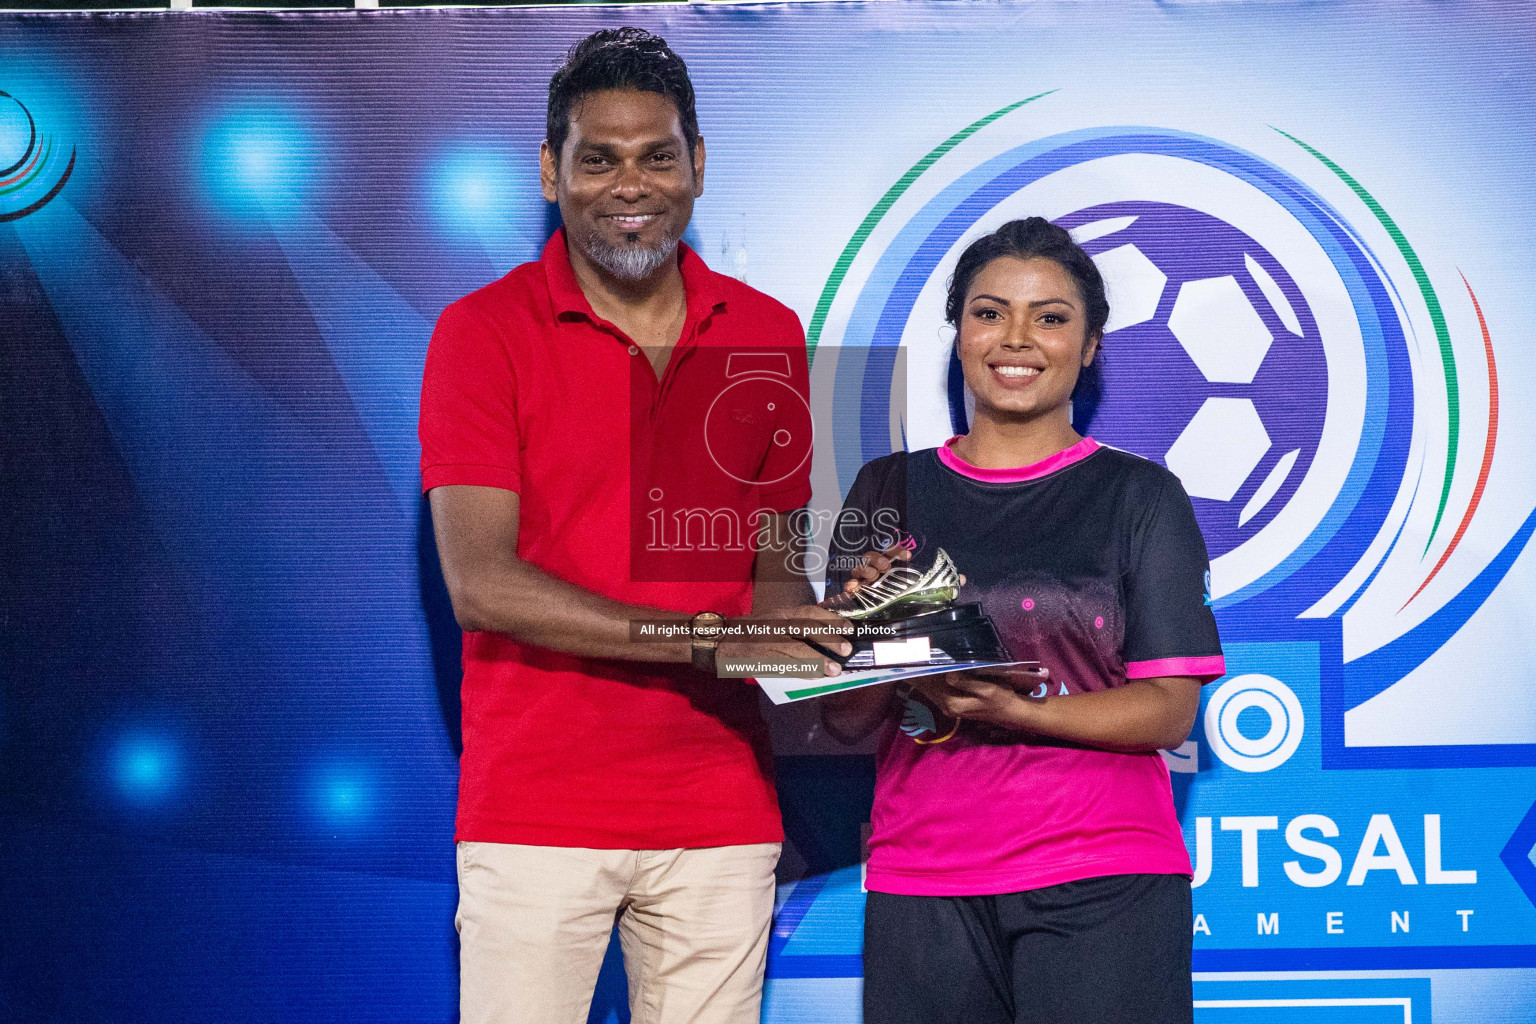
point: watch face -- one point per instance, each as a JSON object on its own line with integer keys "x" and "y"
{"x": 707, "y": 625}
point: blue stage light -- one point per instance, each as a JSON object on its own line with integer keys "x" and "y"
{"x": 146, "y": 768}
{"x": 343, "y": 796}
{"x": 42, "y": 119}
{"x": 473, "y": 186}
{"x": 480, "y": 193}
{"x": 258, "y": 160}
{"x": 14, "y": 131}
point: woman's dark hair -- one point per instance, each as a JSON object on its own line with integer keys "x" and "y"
{"x": 1035, "y": 238}
{"x": 1031, "y": 238}
{"x": 619, "y": 58}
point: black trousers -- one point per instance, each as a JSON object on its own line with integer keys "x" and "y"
{"x": 1111, "y": 950}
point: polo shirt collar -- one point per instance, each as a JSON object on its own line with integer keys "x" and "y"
{"x": 701, "y": 286}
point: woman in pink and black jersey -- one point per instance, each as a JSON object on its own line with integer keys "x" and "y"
{"x": 1026, "y": 863}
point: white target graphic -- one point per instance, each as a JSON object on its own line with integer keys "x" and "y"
{"x": 1254, "y": 753}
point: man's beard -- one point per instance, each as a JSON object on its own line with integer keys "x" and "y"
{"x": 632, "y": 262}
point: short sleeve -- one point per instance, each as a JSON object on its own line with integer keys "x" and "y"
{"x": 468, "y": 427}
{"x": 1170, "y": 628}
{"x": 787, "y": 466}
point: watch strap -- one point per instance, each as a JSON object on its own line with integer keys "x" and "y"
{"x": 704, "y": 644}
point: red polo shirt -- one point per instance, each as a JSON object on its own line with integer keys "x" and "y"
{"x": 638, "y": 489}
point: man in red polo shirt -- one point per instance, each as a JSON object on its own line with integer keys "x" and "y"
{"x": 611, "y": 435}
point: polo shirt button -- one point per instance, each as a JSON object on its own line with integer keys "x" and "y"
{"x": 634, "y": 350}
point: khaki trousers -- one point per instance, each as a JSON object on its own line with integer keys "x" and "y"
{"x": 534, "y": 923}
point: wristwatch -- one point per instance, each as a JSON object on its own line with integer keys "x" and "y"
{"x": 706, "y": 629}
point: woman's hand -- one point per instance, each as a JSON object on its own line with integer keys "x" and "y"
{"x": 878, "y": 563}
{"x": 1142, "y": 714}
{"x": 997, "y": 698}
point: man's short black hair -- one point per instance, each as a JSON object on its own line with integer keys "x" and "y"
{"x": 619, "y": 58}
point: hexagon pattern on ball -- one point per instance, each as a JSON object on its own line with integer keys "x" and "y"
{"x": 1151, "y": 387}
{"x": 1220, "y": 329}
{"x": 1134, "y": 284}
{"x": 1219, "y": 448}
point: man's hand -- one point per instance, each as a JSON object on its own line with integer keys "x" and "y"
{"x": 754, "y": 650}
{"x": 780, "y": 590}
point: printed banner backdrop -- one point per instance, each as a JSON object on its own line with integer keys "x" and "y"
{"x": 229, "y": 726}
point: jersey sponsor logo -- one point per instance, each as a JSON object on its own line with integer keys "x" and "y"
{"x": 922, "y": 723}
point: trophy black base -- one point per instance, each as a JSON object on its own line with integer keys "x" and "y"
{"x": 955, "y": 633}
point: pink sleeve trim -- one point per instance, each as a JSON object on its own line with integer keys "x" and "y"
{"x": 1204, "y": 669}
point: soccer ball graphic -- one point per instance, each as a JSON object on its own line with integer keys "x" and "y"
{"x": 1213, "y": 363}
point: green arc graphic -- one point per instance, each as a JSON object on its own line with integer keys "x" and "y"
{"x": 1436, "y": 316}
{"x": 895, "y": 192}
